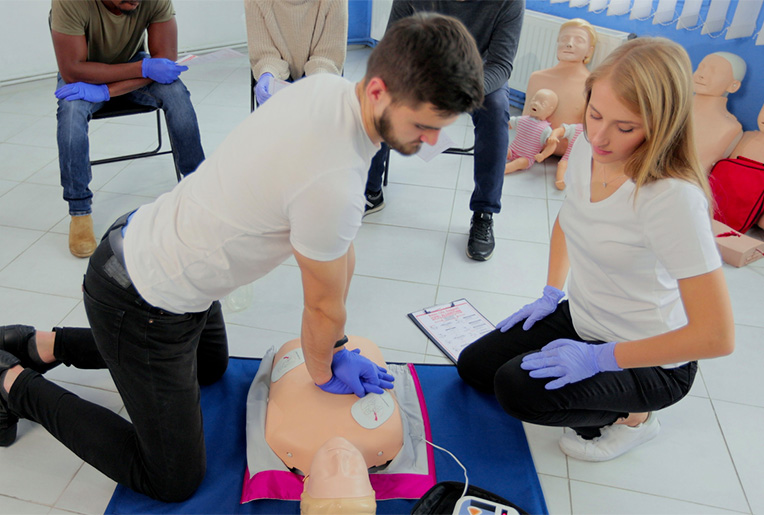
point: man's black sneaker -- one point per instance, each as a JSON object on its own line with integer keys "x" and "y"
{"x": 374, "y": 202}
{"x": 481, "y": 243}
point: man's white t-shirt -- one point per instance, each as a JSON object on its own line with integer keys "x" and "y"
{"x": 626, "y": 257}
{"x": 291, "y": 175}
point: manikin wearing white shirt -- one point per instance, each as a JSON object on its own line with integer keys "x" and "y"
{"x": 633, "y": 241}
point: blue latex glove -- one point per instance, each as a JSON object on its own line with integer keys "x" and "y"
{"x": 353, "y": 373}
{"x": 570, "y": 361}
{"x": 534, "y": 311}
{"x": 263, "y": 88}
{"x": 83, "y": 91}
{"x": 161, "y": 70}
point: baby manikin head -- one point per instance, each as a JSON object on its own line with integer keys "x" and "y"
{"x": 338, "y": 481}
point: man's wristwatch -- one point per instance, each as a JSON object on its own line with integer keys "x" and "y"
{"x": 340, "y": 343}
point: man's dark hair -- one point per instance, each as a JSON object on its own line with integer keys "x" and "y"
{"x": 429, "y": 57}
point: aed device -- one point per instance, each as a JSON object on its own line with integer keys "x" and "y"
{"x": 469, "y": 505}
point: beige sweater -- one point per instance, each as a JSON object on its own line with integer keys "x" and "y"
{"x": 292, "y": 38}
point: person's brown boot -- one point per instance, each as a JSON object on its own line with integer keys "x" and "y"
{"x": 82, "y": 242}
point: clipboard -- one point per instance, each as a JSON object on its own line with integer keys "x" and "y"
{"x": 452, "y": 326}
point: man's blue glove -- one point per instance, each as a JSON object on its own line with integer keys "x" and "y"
{"x": 353, "y": 373}
{"x": 534, "y": 311}
{"x": 83, "y": 91}
{"x": 263, "y": 88}
{"x": 570, "y": 361}
{"x": 161, "y": 70}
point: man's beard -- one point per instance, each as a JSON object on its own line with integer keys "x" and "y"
{"x": 385, "y": 130}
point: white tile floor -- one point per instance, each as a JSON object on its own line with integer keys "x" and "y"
{"x": 410, "y": 255}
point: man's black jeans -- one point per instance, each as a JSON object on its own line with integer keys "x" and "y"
{"x": 157, "y": 360}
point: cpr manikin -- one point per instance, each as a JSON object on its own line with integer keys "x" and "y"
{"x": 300, "y": 417}
{"x": 576, "y": 42}
{"x": 717, "y": 131}
{"x": 338, "y": 481}
{"x": 752, "y": 146}
{"x": 533, "y": 142}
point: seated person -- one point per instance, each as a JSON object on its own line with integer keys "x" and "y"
{"x": 300, "y": 416}
{"x": 338, "y": 482}
{"x": 281, "y": 49}
{"x": 534, "y": 140}
{"x": 717, "y": 131}
{"x": 99, "y": 48}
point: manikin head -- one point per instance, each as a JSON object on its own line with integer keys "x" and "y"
{"x": 543, "y": 104}
{"x": 424, "y": 72}
{"x": 719, "y": 74}
{"x": 576, "y": 41}
{"x": 338, "y": 481}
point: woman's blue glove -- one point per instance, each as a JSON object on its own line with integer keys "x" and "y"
{"x": 353, "y": 373}
{"x": 263, "y": 88}
{"x": 161, "y": 70}
{"x": 534, "y": 311}
{"x": 83, "y": 91}
{"x": 570, "y": 361}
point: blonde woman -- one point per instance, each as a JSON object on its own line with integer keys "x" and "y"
{"x": 647, "y": 296}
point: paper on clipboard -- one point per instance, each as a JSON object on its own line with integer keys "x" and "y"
{"x": 452, "y": 326}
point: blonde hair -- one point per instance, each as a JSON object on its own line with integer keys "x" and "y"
{"x": 653, "y": 77}
{"x": 583, "y": 24}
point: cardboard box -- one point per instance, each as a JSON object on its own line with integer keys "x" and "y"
{"x": 737, "y": 249}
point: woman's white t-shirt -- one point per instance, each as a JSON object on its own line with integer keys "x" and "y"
{"x": 626, "y": 256}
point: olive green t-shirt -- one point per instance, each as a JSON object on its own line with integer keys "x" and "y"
{"x": 111, "y": 38}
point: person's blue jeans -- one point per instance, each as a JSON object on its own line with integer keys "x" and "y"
{"x": 491, "y": 364}
{"x": 157, "y": 360}
{"x": 73, "y": 145}
{"x": 491, "y": 143}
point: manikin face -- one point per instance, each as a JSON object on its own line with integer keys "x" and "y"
{"x": 338, "y": 470}
{"x": 573, "y": 44}
{"x": 543, "y": 104}
{"x": 713, "y": 76}
{"x": 405, "y": 128}
{"x": 613, "y": 130}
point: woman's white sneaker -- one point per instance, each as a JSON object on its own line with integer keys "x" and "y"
{"x": 615, "y": 440}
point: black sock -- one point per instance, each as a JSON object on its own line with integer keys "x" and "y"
{"x": 32, "y": 352}
{"x": 3, "y": 392}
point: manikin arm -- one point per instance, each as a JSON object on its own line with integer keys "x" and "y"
{"x": 550, "y": 145}
{"x": 72, "y": 54}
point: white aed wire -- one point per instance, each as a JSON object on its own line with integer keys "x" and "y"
{"x": 466, "y": 479}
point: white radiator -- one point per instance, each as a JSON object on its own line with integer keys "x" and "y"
{"x": 537, "y": 48}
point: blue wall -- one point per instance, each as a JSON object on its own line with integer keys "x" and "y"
{"x": 745, "y": 104}
{"x": 359, "y": 22}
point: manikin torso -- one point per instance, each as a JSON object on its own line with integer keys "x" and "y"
{"x": 301, "y": 417}
{"x": 752, "y": 143}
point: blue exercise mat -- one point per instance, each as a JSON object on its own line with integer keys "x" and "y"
{"x": 490, "y": 444}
